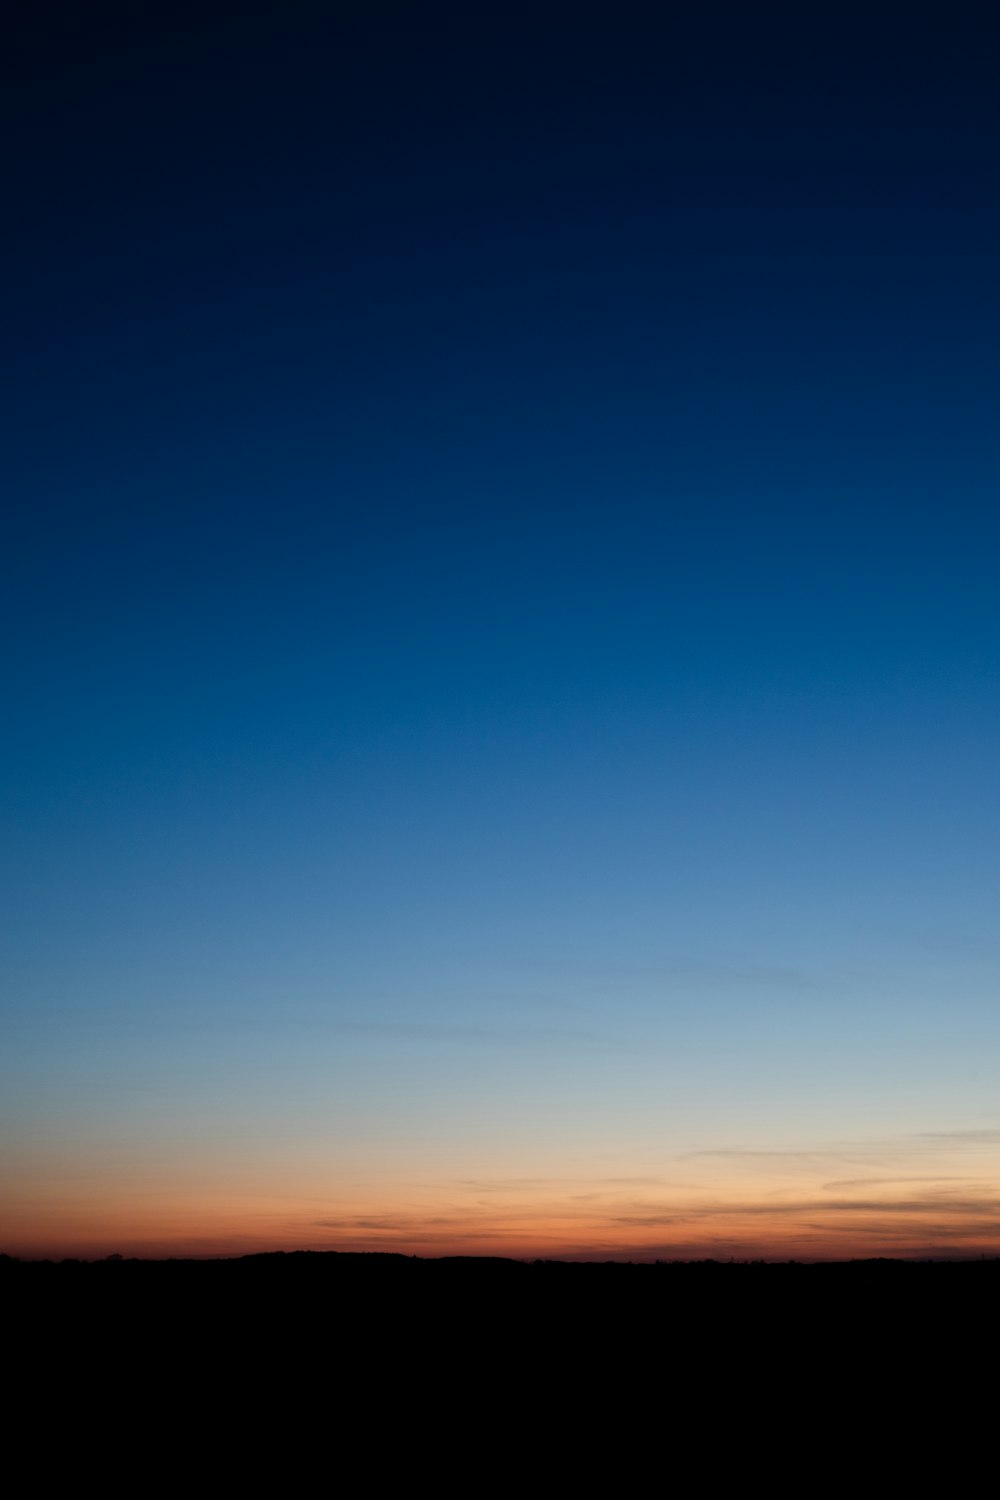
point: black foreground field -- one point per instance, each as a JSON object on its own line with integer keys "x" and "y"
{"x": 289, "y": 1293}
{"x": 394, "y": 1361}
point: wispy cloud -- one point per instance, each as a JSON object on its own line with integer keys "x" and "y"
{"x": 989, "y": 1137}
{"x": 438, "y": 1033}
{"x": 518, "y": 1184}
{"x": 817, "y": 1154}
{"x": 877, "y": 1149}
{"x": 843, "y": 1183}
{"x": 693, "y": 974}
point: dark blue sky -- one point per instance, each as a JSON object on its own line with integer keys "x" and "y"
{"x": 495, "y": 503}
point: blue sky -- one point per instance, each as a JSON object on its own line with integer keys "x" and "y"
{"x": 500, "y": 602}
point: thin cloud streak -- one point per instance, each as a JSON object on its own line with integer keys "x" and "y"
{"x": 438, "y": 1032}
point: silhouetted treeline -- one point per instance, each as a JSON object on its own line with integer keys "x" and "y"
{"x": 389, "y": 1263}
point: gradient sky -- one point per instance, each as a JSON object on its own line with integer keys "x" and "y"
{"x": 500, "y": 602}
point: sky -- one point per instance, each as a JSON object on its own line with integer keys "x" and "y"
{"x": 501, "y": 647}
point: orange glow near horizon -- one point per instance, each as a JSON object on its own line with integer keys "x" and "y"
{"x": 765, "y": 1206}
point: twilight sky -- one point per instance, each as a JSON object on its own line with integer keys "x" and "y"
{"x": 500, "y": 602}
